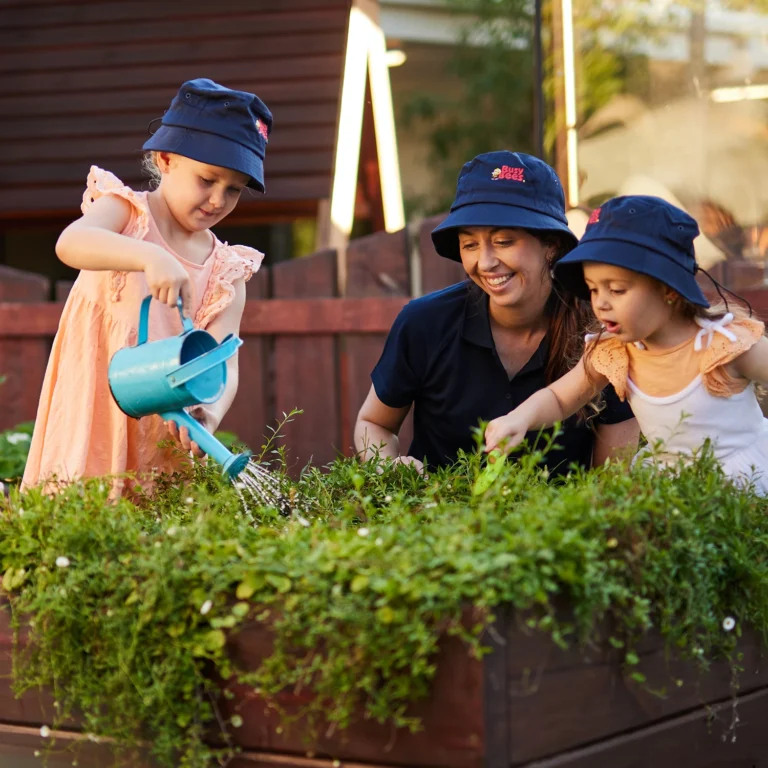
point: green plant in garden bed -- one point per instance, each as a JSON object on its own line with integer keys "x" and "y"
{"x": 129, "y": 605}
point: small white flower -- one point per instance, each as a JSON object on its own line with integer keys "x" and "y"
{"x": 171, "y": 531}
{"x": 21, "y": 512}
{"x": 362, "y": 531}
{"x": 17, "y": 437}
{"x": 37, "y": 753}
{"x": 237, "y": 721}
{"x": 45, "y": 731}
{"x": 189, "y": 500}
{"x": 387, "y": 499}
{"x": 158, "y": 544}
{"x": 62, "y": 561}
{"x": 379, "y": 541}
{"x": 205, "y": 607}
{"x": 729, "y": 623}
{"x": 303, "y": 521}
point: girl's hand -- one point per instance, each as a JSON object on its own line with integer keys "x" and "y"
{"x": 207, "y": 419}
{"x": 506, "y": 432}
{"x": 167, "y": 279}
{"x": 412, "y": 461}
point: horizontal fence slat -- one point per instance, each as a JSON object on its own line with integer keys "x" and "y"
{"x": 317, "y": 317}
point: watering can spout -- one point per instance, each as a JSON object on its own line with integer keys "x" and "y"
{"x": 232, "y": 464}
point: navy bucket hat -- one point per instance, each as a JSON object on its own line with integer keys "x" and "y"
{"x": 504, "y": 189}
{"x": 644, "y": 234}
{"x": 218, "y": 126}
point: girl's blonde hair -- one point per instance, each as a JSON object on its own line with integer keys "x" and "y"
{"x": 151, "y": 169}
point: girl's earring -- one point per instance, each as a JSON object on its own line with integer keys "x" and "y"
{"x": 670, "y": 301}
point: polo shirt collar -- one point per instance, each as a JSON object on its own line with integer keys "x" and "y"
{"x": 477, "y": 330}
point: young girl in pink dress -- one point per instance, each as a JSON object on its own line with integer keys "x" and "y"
{"x": 687, "y": 371}
{"x": 128, "y": 244}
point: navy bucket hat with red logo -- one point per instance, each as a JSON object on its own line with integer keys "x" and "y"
{"x": 504, "y": 189}
{"x": 644, "y": 234}
{"x": 218, "y": 126}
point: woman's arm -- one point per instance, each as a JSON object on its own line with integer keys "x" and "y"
{"x": 556, "y": 402}
{"x": 376, "y": 430}
{"x": 94, "y": 242}
{"x": 210, "y": 416}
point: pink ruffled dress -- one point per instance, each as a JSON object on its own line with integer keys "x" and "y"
{"x": 79, "y": 430}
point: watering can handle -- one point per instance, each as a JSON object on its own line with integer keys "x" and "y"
{"x": 144, "y": 319}
{"x": 205, "y": 362}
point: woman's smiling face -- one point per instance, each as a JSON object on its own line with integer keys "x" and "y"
{"x": 510, "y": 265}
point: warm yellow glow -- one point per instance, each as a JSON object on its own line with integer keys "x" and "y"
{"x": 739, "y": 93}
{"x": 396, "y": 58}
{"x": 569, "y": 72}
{"x": 366, "y": 53}
{"x": 350, "y": 123}
{"x": 386, "y": 137}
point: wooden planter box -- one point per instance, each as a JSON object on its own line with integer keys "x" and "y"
{"x": 528, "y": 703}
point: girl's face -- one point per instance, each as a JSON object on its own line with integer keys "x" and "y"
{"x": 198, "y": 195}
{"x": 510, "y": 265}
{"x": 629, "y": 305}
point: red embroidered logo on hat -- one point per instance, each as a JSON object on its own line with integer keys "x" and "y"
{"x": 594, "y": 217}
{"x": 508, "y": 173}
{"x": 262, "y": 129}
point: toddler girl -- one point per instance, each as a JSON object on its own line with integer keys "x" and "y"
{"x": 128, "y": 244}
{"x": 687, "y": 371}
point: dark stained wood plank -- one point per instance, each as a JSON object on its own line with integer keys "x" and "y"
{"x": 118, "y": 59}
{"x": 297, "y": 316}
{"x": 251, "y": 411}
{"x": 436, "y": 271}
{"x": 214, "y": 25}
{"x": 128, "y": 145}
{"x": 700, "y": 739}
{"x": 44, "y": 201}
{"x": 22, "y": 361}
{"x": 581, "y": 696}
{"x": 127, "y": 99}
{"x": 377, "y": 267}
{"x": 306, "y": 365}
{"x": 275, "y": 69}
{"x": 21, "y": 16}
{"x": 314, "y": 116}
{"x": 452, "y": 715}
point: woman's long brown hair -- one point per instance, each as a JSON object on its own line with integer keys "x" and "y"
{"x": 570, "y": 318}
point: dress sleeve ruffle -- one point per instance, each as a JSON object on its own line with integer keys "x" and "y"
{"x": 608, "y": 357}
{"x": 100, "y": 183}
{"x": 233, "y": 263}
{"x": 722, "y": 350}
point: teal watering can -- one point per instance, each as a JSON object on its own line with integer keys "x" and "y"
{"x": 164, "y": 377}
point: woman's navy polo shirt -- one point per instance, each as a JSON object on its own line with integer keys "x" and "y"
{"x": 441, "y": 357}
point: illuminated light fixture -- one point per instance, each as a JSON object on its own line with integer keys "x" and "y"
{"x": 569, "y": 72}
{"x": 366, "y": 53}
{"x": 739, "y": 93}
{"x": 396, "y": 57}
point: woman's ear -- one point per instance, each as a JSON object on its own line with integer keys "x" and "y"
{"x": 670, "y": 296}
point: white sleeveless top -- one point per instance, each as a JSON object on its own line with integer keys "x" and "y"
{"x": 683, "y": 421}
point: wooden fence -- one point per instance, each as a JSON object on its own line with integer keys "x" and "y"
{"x": 303, "y": 346}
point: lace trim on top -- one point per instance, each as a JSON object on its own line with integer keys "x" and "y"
{"x": 100, "y": 183}
{"x": 232, "y": 263}
{"x": 722, "y": 348}
{"x": 608, "y": 357}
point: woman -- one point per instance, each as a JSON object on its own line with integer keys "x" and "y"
{"x": 478, "y": 349}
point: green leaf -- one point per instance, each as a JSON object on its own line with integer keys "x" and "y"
{"x": 359, "y": 583}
